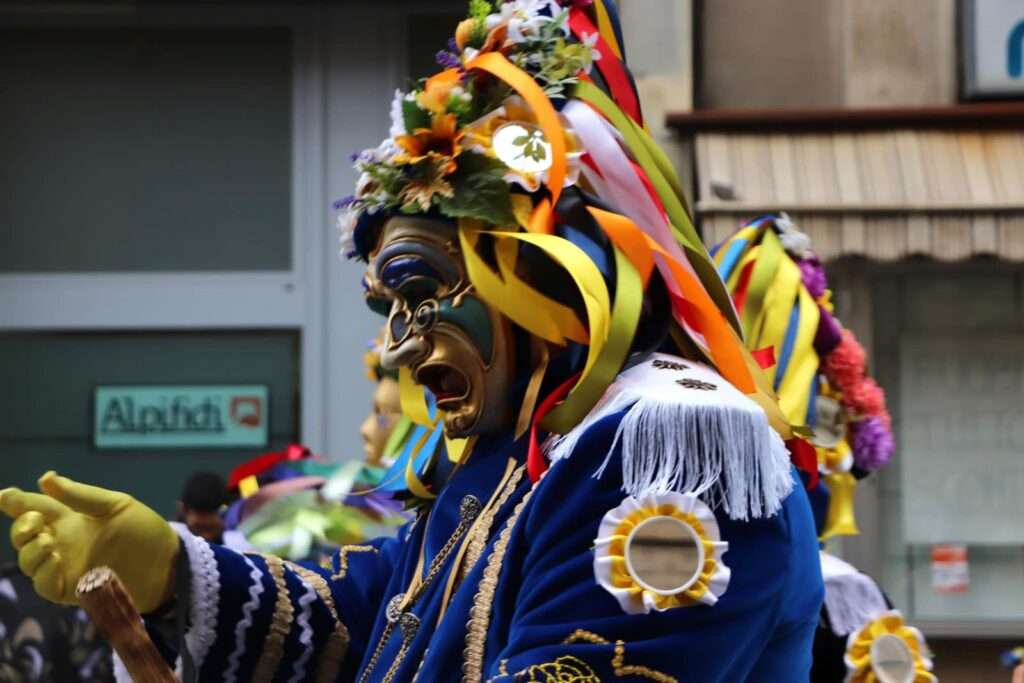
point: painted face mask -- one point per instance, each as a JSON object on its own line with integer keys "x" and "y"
{"x": 453, "y": 344}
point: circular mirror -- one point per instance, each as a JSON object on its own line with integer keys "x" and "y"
{"x": 522, "y": 147}
{"x": 891, "y": 660}
{"x": 664, "y": 555}
{"x": 828, "y": 422}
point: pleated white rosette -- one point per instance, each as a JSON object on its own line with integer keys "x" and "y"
{"x": 614, "y": 554}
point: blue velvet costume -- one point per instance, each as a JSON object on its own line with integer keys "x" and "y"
{"x": 547, "y": 619}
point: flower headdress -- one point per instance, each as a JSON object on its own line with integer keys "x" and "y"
{"x": 532, "y": 141}
{"x": 781, "y": 292}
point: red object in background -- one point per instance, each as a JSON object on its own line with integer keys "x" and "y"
{"x": 805, "y": 457}
{"x": 246, "y": 410}
{"x": 260, "y": 464}
{"x": 950, "y": 568}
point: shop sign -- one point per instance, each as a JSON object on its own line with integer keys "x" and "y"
{"x": 993, "y": 48}
{"x": 214, "y": 416}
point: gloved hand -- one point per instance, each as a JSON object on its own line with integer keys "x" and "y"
{"x": 70, "y": 528}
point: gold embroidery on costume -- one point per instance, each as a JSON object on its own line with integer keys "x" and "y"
{"x": 565, "y": 669}
{"x": 280, "y": 625}
{"x": 343, "y": 558}
{"x": 478, "y": 541}
{"x": 619, "y": 665}
{"x": 399, "y": 609}
{"x": 480, "y": 612}
{"x": 332, "y": 656}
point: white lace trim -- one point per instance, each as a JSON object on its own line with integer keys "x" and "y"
{"x": 306, "y": 636}
{"x": 245, "y": 623}
{"x": 205, "y": 595}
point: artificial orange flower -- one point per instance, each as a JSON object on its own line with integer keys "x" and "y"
{"x": 441, "y": 142}
{"x": 438, "y": 88}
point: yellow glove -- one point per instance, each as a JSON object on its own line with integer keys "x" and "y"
{"x": 75, "y": 527}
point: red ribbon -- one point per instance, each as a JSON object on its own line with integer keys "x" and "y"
{"x": 740, "y": 296}
{"x": 611, "y": 68}
{"x": 536, "y": 465}
{"x": 805, "y": 457}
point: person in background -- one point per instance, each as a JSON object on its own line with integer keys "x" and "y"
{"x": 386, "y": 412}
{"x": 199, "y": 506}
{"x": 820, "y": 373}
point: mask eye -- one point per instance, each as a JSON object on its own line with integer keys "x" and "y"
{"x": 399, "y": 326}
{"x": 378, "y": 305}
{"x": 418, "y": 289}
{"x": 425, "y": 316}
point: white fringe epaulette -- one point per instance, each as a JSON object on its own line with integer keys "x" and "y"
{"x": 852, "y": 598}
{"x": 686, "y": 429}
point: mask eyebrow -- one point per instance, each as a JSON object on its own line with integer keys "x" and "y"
{"x": 415, "y": 258}
{"x": 398, "y": 270}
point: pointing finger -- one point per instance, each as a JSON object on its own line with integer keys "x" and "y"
{"x": 89, "y": 500}
{"x": 27, "y": 527}
{"x": 15, "y": 502}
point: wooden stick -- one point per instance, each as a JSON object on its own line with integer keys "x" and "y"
{"x": 110, "y": 607}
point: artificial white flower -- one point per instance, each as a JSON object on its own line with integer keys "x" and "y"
{"x": 524, "y": 18}
{"x": 397, "y": 119}
{"x": 590, "y": 40}
{"x": 346, "y": 230}
{"x": 793, "y": 241}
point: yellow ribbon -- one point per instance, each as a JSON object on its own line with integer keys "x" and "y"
{"x": 769, "y": 256}
{"x": 520, "y": 303}
{"x": 412, "y": 400}
{"x": 412, "y": 482}
{"x": 629, "y": 296}
{"x": 794, "y": 391}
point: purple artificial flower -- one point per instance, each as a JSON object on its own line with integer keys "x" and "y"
{"x": 448, "y": 60}
{"x": 829, "y": 333}
{"x": 873, "y": 443}
{"x": 344, "y": 202}
{"x": 813, "y": 276}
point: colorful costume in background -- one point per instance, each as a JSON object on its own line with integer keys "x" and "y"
{"x": 45, "y": 643}
{"x": 299, "y": 507}
{"x": 820, "y": 371}
{"x": 596, "y": 462}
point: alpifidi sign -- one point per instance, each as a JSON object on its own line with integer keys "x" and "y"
{"x": 216, "y": 416}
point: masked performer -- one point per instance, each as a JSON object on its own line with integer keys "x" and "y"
{"x": 781, "y": 293}
{"x": 614, "y": 499}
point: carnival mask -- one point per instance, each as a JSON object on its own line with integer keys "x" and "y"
{"x": 455, "y": 345}
{"x": 378, "y": 425}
